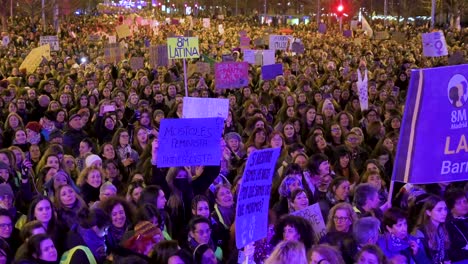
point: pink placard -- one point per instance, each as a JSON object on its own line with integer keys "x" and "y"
{"x": 231, "y": 75}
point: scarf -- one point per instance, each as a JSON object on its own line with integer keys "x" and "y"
{"x": 95, "y": 243}
{"x": 226, "y": 215}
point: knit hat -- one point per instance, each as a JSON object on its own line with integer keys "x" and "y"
{"x": 34, "y": 126}
{"x": 55, "y": 134}
{"x": 146, "y": 229}
{"x": 231, "y": 135}
{"x": 5, "y": 189}
{"x": 91, "y": 159}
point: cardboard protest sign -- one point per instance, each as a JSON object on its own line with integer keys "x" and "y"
{"x": 227, "y": 58}
{"x": 94, "y": 38}
{"x": 381, "y": 35}
{"x": 269, "y": 72}
{"x": 456, "y": 58}
{"x": 298, "y": 47}
{"x": 259, "y": 42}
{"x": 113, "y": 54}
{"x": 221, "y": 29}
{"x": 399, "y": 37}
{"x": 434, "y": 44}
{"x": 354, "y": 24}
{"x": 206, "y": 23}
{"x": 189, "y": 142}
{"x": 35, "y": 57}
{"x": 5, "y": 41}
{"x": 137, "y": 63}
{"x": 123, "y": 31}
{"x": 322, "y": 28}
{"x": 249, "y": 56}
{"x": 205, "y": 107}
{"x": 183, "y": 48}
{"x": 268, "y": 57}
{"x": 254, "y": 196}
{"x": 429, "y": 151}
{"x": 203, "y": 67}
{"x": 158, "y": 56}
{"x": 244, "y": 43}
{"x": 314, "y": 216}
{"x": 231, "y": 75}
{"x": 279, "y": 42}
{"x": 53, "y": 42}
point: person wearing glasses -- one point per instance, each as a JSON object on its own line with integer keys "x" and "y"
{"x": 8, "y": 232}
{"x": 200, "y": 233}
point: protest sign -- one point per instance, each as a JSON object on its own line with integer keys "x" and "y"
{"x": 279, "y": 42}
{"x": 123, "y": 31}
{"x": 259, "y": 57}
{"x": 227, "y": 58}
{"x": 249, "y": 56}
{"x": 254, "y": 196}
{"x": 5, "y": 41}
{"x": 269, "y": 57}
{"x": 347, "y": 33}
{"x": 322, "y": 28}
{"x": 113, "y": 53}
{"x": 243, "y": 33}
{"x": 259, "y": 42}
{"x": 381, "y": 35}
{"x": 94, "y": 38}
{"x": 194, "y": 107}
{"x": 231, "y": 75}
{"x": 53, "y": 42}
{"x": 35, "y": 57}
{"x": 269, "y": 72}
{"x": 137, "y": 63}
{"x": 206, "y": 23}
{"x": 158, "y": 56}
{"x": 314, "y": 216}
{"x": 221, "y": 17}
{"x": 203, "y": 67}
{"x": 456, "y": 58}
{"x": 112, "y": 39}
{"x": 363, "y": 95}
{"x": 298, "y": 47}
{"x": 354, "y": 24}
{"x": 190, "y": 142}
{"x": 183, "y": 48}
{"x": 221, "y": 29}
{"x": 244, "y": 43}
{"x": 434, "y": 44}
{"x": 433, "y": 137}
{"x": 399, "y": 37}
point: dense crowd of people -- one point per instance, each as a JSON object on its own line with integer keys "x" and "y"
{"x": 79, "y": 148}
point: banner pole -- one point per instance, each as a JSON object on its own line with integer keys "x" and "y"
{"x": 390, "y": 192}
{"x": 185, "y": 79}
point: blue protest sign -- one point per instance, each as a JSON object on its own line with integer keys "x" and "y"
{"x": 269, "y": 72}
{"x": 254, "y": 196}
{"x": 433, "y": 138}
{"x": 190, "y": 142}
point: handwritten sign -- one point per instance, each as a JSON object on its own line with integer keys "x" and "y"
{"x": 112, "y": 39}
{"x": 53, "y": 41}
{"x": 231, "y": 75}
{"x": 137, "y": 63}
{"x": 113, "y": 54}
{"x": 279, "y": 42}
{"x": 183, "y": 48}
{"x": 434, "y": 44}
{"x": 254, "y": 196}
{"x": 249, "y": 56}
{"x": 381, "y": 35}
{"x": 5, "y": 41}
{"x": 298, "y": 47}
{"x": 244, "y": 43}
{"x": 268, "y": 57}
{"x": 221, "y": 29}
{"x": 123, "y": 31}
{"x": 190, "y": 142}
{"x": 269, "y": 72}
{"x": 205, "y": 107}
{"x": 314, "y": 216}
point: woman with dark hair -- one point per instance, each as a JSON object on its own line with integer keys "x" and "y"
{"x": 457, "y": 224}
{"x": 294, "y": 228}
{"x": 371, "y": 254}
{"x": 42, "y": 210}
{"x": 121, "y": 213}
{"x": 344, "y": 166}
{"x": 40, "y": 250}
{"x": 291, "y": 136}
{"x": 317, "y": 144}
{"x": 298, "y": 200}
{"x": 134, "y": 190}
{"x": 162, "y": 251}
{"x": 431, "y": 229}
{"x": 317, "y": 168}
{"x": 257, "y": 140}
{"x": 67, "y": 204}
{"x": 90, "y": 232}
{"x": 6, "y": 256}
{"x": 121, "y": 142}
{"x": 396, "y": 240}
{"x": 8, "y": 232}
{"x": 200, "y": 234}
{"x": 335, "y": 135}
{"x": 203, "y": 254}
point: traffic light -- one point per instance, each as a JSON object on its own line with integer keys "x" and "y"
{"x": 339, "y": 10}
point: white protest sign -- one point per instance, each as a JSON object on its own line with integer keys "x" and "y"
{"x": 112, "y": 39}
{"x": 279, "y": 42}
{"x": 221, "y": 29}
{"x": 254, "y": 196}
{"x": 363, "y": 96}
{"x": 269, "y": 57}
{"x": 5, "y": 41}
{"x": 249, "y": 56}
{"x": 314, "y": 216}
{"x": 434, "y": 44}
{"x": 206, "y": 23}
{"x": 194, "y": 107}
{"x": 53, "y": 41}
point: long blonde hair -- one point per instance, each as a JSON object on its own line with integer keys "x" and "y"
{"x": 288, "y": 252}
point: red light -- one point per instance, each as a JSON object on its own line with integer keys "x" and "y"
{"x": 340, "y": 8}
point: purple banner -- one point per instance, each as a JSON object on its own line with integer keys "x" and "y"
{"x": 433, "y": 138}
{"x": 269, "y": 72}
{"x": 231, "y": 75}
